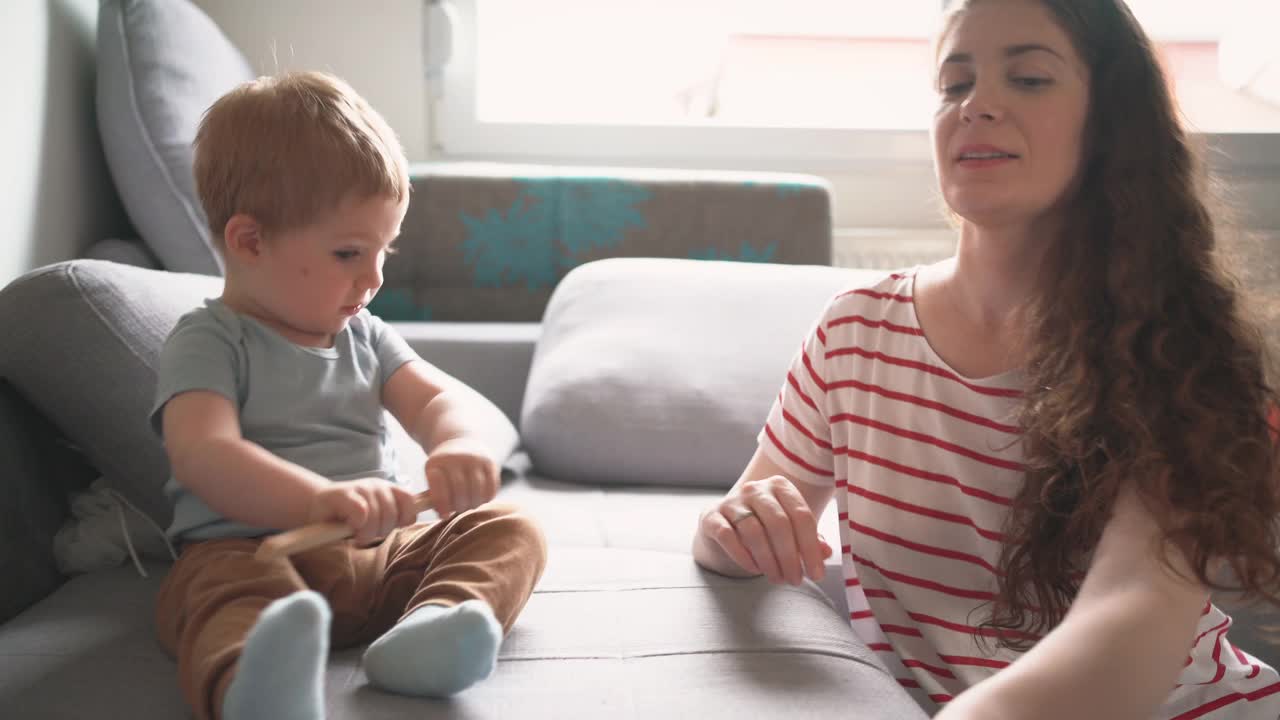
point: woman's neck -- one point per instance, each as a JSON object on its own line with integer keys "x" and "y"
{"x": 995, "y": 272}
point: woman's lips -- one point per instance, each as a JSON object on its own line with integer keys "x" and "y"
{"x": 983, "y": 156}
{"x": 979, "y": 163}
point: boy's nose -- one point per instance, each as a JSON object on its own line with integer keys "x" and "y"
{"x": 372, "y": 276}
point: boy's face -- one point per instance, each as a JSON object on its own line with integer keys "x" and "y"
{"x": 308, "y": 282}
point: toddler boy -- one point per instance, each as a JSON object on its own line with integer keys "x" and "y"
{"x": 271, "y": 401}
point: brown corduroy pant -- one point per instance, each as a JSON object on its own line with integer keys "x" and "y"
{"x": 216, "y": 589}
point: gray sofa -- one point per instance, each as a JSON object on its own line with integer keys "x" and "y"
{"x": 630, "y": 430}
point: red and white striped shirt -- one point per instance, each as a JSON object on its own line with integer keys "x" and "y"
{"x": 924, "y": 464}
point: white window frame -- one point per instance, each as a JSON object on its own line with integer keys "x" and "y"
{"x": 901, "y": 158}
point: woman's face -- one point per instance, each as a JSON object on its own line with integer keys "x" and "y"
{"x": 1013, "y": 100}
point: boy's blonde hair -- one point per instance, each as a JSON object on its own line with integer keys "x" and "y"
{"x": 286, "y": 149}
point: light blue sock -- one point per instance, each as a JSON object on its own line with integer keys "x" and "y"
{"x": 281, "y": 671}
{"x": 436, "y": 651}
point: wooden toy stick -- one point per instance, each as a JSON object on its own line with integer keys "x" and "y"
{"x": 315, "y": 535}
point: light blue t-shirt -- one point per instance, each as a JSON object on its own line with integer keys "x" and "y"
{"x": 318, "y": 407}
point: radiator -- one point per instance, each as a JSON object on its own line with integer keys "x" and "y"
{"x": 891, "y": 248}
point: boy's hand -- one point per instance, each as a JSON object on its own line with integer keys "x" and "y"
{"x": 371, "y": 506}
{"x": 460, "y": 476}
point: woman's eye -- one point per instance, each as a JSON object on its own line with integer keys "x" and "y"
{"x": 953, "y": 89}
{"x": 1032, "y": 82}
{"x": 346, "y": 254}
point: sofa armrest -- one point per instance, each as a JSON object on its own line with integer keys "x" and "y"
{"x": 37, "y": 471}
{"x": 493, "y": 358}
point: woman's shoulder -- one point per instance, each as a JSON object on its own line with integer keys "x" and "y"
{"x": 881, "y": 293}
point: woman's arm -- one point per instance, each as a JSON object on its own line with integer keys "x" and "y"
{"x": 1119, "y": 651}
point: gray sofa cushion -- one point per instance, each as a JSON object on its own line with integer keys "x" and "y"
{"x": 662, "y": 371}
{"x": 623, "y": 634}
{"x": 637, "y": 517}
{"x": 83, "y": 337}
{"x": 161, "y": 64}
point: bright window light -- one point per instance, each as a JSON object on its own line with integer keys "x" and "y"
{"x": 841, "y": 64}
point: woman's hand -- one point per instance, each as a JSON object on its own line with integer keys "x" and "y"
{"x": 766, "y": 527}
{"x": 371, "y": 506}
{"x": 460, "y": 476}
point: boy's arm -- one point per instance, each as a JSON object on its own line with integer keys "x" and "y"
{"x": 465, "y": 435}
{"x": 233, "y": 476}
{"x": 435, "y": 408}
{"x": 1120, "y": 649}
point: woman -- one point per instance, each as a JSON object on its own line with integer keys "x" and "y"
{"x": 1047, "y": 449}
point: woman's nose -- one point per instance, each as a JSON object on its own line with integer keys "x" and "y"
{"x": 983, "y": 103}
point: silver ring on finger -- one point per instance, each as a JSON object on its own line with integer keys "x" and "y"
{"x": 742, "y": 516}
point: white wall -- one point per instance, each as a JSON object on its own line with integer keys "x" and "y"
{"x": 55, "y": 192}
{"x": 375, "y": 46}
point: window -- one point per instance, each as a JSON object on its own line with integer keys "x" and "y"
{"x": 826, "y": 86}
{"x": 698, "y": 80}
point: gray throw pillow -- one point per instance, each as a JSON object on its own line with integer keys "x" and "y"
{"x": 82, "y": 341}
{"x": 662, "y": 371}
{"x": 161, "y": 64}
{"x": 128, "y": 252}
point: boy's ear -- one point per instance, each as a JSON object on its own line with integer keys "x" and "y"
{"x": 243, "y": 237}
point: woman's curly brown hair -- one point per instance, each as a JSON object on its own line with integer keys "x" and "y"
{"x": 1142, "y": 368}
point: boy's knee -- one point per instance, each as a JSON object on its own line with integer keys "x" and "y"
{"x": 514, "y": 523}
